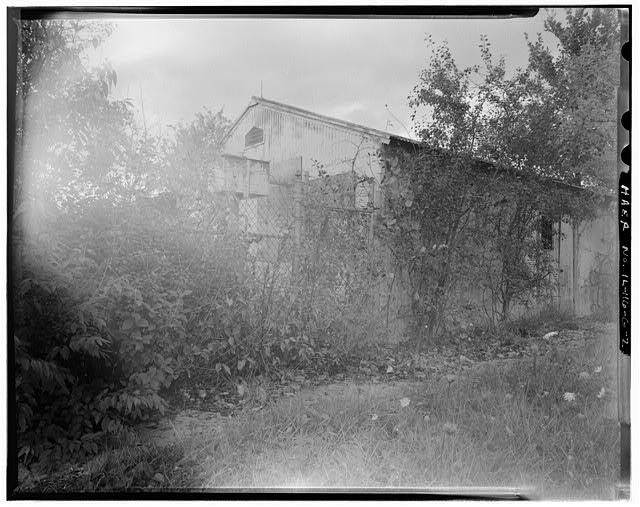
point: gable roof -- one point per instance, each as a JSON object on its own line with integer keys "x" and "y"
{"x": 385, "y": 137}
{"x": 279, "y": 106}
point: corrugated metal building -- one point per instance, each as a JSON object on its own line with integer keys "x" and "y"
{"x": 271, "y": 142}
{"x": 276, "y": 133}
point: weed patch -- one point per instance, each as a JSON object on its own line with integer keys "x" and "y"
{"x": 543, "y": 422}
{"x": 538, "y": 425}
{"x": 138, "y": 468}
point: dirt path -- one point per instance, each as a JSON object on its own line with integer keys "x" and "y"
{"x": 191, "y": 422}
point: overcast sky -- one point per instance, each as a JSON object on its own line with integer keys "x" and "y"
{"x": 346, "y": 68}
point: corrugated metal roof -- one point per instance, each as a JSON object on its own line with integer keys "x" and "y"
{"x": 279, "y": 106}
{"x": 384, "y": 137}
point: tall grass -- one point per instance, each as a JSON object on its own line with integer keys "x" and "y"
{"x": 542, "y": 425}
{"x": 537, "y": 425}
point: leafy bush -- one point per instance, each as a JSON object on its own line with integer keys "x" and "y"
{"x": 340, "y": 268}
{"x": 129, "y": 271}
{"x": 122, "y": 301}
{"x": 114, "y": 305}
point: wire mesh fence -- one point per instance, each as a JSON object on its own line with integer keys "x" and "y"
{"x": 311, "y": 247}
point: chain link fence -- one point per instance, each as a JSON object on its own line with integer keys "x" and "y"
{"x": 311, "y": 246}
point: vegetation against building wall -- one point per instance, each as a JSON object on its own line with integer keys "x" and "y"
{"x": 503, "y": 155}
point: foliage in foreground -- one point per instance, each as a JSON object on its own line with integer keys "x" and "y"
{"x": 509, "y": 424}
{"x": 543, "y": 426}
{"x": 120, "y": 286}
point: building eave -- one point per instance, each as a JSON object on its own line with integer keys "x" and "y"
{"x": 380, "y": 135}
{"x": 235, "y": 123}
{"x": 242, "y": 157}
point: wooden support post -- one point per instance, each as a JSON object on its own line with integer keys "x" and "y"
{"x": 298, "y": 192}
{"x": 247, "y": 178}
{"x": 372, "y": 216}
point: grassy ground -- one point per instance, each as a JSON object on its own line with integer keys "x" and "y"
{"x": 504, "y": 424}
{"x": 542, "y": 424}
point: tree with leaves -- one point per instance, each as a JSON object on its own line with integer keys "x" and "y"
{"x": 118, "y": 294}
{"x": 501, "y": 153}
{"x": 578, "y": 82}
{"x": 80, "y": 165}
{"x": 192, "y": 159}
{"x": 69, "y": 129}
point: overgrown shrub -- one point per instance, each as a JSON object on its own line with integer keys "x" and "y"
{"x": 119, "y": 300}
{"x": 116, "y": 303}
{"x": 340, "y": 268}
{"x": 129, "y": 271}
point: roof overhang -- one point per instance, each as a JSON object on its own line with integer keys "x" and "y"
{"x": 242, "y": 157}
{"x": 379, "y": 135}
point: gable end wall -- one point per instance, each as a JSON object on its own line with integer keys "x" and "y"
{"x": 287, "y": 135}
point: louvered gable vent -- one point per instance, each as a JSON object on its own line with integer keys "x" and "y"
{"x": 253, "y": 137}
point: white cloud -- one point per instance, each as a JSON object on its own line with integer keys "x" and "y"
{"x": 348, "y": 68}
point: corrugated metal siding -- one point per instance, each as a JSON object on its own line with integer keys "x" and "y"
{"x": 286, "y": 136}
{"x": 338, "y": 150}
{"x": 587, "y": 260}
